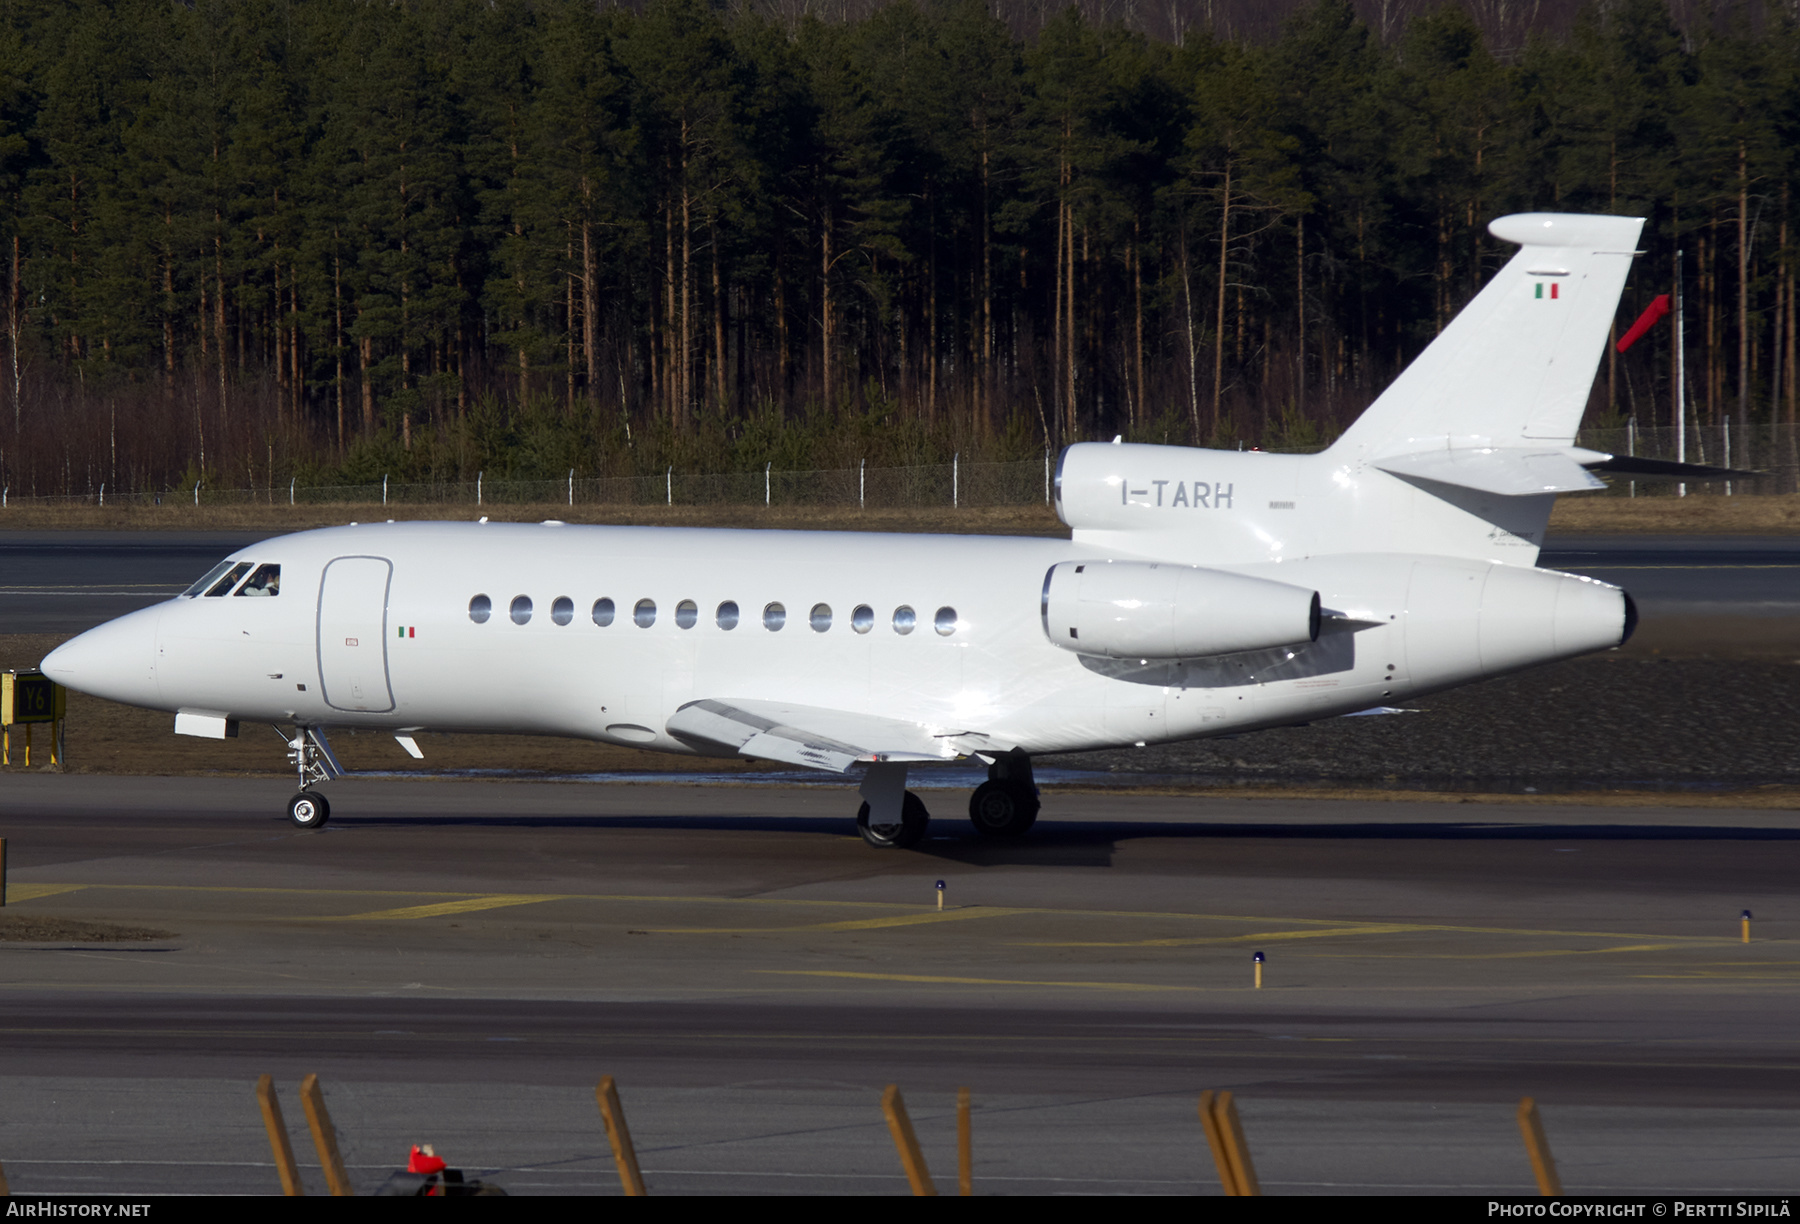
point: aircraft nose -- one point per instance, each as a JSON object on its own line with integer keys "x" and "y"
{"x": 116, "y": 660}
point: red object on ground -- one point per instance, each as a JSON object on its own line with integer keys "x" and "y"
{"x": 422, "y": 1161}
{"x": 1646, "y": 321}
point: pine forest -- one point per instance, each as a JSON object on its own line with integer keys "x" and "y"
{"x": 326, "y": 241}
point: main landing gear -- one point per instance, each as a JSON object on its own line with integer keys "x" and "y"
{"x": 892, "y": 817}
{"x": 1006, "y": 805}
{"x": 310, "y": 754}
{"x": 909, "y": 830}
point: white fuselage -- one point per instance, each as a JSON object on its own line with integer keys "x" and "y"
{"x": 372, "y": 628}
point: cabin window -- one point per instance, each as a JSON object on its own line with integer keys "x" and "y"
{"x": 603, "y": 612}
{"x": 863, "y": 619}
{"x": 480, "y": 608}
{"x": 687, "y": 614}
{"x": 820, "y": 618}
{"x": 223, "y": 586}
{"x": 266, "y": 581}
{"x": 207, "y": 579}
{"x": 563, "y": 610}
{"x": 945, "y": 621}
{"x": 774, "y": 617}
{"x": 645, "y": 613}
{"x": 728, "y": 615}
{"x": 521, "y": 609}
{"x": 904, "y": 620}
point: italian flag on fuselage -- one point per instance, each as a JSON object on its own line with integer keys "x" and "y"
{"x": 407, "y": 631}
{"x": 1553, "y": 288}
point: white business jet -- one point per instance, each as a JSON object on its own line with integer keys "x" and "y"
{"x": 1203, "y": 593}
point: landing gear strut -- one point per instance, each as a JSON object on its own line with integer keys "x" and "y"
{"x": 310, "y": 754}
{"x": 1006, "y": 805}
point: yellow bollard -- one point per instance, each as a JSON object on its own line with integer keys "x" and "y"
{"x": 965, "y": 1146}
{"x": 619, "y": 1136}
{"x": 1225, "y": 1136}
{"x": 1258, "y": 959}
{"x": 940, "y": 892}
{"x": 1746, "y": 920}
{"x": 324, "y": 1136}
{"x": 278, "y": 1138}
{"x": 1543, "y": 1165}
{"x": 911, "y": 1158}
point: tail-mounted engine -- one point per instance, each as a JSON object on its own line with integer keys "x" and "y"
{"x": 1147, "y": 610}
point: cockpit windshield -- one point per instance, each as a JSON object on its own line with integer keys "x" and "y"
{"x": 211, "y": 576}
{"x": 223, "y": 586}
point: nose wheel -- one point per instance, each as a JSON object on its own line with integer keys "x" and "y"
{"x": 309, "y": 810}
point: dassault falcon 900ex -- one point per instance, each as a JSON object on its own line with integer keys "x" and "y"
{"x": 1203, "y": 593}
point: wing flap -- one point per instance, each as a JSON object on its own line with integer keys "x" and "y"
{"x": 807, "y": 736}
{"x": 794, "y": 747}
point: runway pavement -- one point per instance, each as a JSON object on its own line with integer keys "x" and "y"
{"x": 1683, "y": 576}
{"x": 460, "y": 961}
{"x": 68, "y": 581}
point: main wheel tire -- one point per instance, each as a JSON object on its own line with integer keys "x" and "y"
{"x": 309, "y": 810}
{"x": 914, "y": 820}
{"x": 999, "y": 810}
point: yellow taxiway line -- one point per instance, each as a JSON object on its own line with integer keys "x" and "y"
{"x": 937, "y": 979}
{"x": 470, "y": 906}
{"x": 854, "y": 924}
{"x": 439, "y": 903}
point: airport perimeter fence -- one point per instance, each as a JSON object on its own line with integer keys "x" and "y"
{"x": 956, "y": 483}
{"x": 1773, "y": 451}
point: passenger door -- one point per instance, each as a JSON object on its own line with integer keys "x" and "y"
{"x": 353, "y": 634}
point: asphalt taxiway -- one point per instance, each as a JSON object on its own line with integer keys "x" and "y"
{"x": 460, "y": 961}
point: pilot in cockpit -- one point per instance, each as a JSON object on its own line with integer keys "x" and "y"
{"x": 265, "y": 581}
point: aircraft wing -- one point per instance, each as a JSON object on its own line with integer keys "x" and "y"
{"x": 805, "y": 735}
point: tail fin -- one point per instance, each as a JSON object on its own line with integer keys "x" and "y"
{"x": 1515, "y": 367}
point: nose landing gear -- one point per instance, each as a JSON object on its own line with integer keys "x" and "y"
{"x": 310, "y": 754}
{"x": 1006, "y": 805}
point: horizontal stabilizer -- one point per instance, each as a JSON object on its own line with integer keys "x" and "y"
{"x": 803, "y": 735}
{"x": 1507, "y": 471}
{"x": 1667, "y": 469}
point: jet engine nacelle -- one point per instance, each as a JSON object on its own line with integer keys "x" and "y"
{"x": 1147, "y": 610}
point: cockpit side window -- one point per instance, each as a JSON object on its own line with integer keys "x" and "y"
{"x": 265, "y": 581}
{"x": 211, "y": 576}
{"x": 223, "y": 586}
